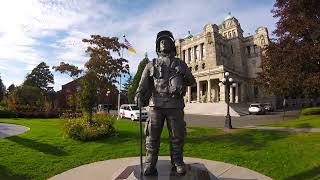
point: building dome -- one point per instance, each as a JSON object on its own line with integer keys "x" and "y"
{"x": 229, "y": 16}
{"x": 189, "y": 35}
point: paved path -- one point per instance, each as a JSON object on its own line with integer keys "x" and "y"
{"x": 249, "y": 120}
{"x": 194, "y": 120}
{"x": 7, "y": 130}
{"x": 111, "y": 169}
{"x": 283, "y": 129}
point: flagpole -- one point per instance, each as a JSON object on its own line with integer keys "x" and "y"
{"x": 119, "y": 94}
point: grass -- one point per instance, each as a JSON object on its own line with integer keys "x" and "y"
{"x": 309, "y": 118}
{"x": 310, "y": 121}
{"x": 42, "y": 152}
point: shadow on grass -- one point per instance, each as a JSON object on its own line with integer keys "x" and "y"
{"x": 250, "y": 139}
{"x": 42, "y": 147}
{"x": 5, "y": 173}
{"x": 313, "y": 173}
{"x": 303, "y": 125}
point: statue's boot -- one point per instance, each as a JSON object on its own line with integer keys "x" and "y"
{"x": 150, "y": 167}
{"x": 181, "y": 170}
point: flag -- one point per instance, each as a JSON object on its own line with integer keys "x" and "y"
{"x": 129, "y": 46}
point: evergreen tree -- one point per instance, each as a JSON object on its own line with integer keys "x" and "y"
{"x": 126, "y": 85}
{"x": 11, "y": 88}
{"x": 40, "y": 77}
{"x": 135, "y": 83}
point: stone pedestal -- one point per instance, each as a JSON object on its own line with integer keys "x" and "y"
{"x": 195, "y": 171}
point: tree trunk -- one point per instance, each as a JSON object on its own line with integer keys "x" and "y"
{"x": 90, "y": 118}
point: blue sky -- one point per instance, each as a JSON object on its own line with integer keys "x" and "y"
{"x": 32, "y": 31}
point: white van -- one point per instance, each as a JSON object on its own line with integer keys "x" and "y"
{"x": 131, "y": 111}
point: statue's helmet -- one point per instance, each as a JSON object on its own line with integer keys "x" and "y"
{"x": 168, "y": 35}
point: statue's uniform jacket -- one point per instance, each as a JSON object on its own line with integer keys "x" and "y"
{"x": 162, "y": 86}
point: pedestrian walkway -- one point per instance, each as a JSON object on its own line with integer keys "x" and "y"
{"x": 7, "y": 130}
{"x": 283, "y": 129}
{"x": 121, "y": 169}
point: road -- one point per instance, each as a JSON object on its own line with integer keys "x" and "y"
{"x": 249, "y": 120}
{"x": 194, "y": 120}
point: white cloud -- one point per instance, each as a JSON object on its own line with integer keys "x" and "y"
{"x": 27, "y": 25}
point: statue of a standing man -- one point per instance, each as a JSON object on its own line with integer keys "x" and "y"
{"x": 162, "y": 87}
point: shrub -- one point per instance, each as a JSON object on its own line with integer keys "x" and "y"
{"x": 80, "y": 129}
{"x": 5, "y": 113}
{"x": 311, "y": 111}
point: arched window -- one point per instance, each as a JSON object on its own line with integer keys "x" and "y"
{"x": 230, "y": 35}
{"x": 196, "y": 68}
{"x": 203, "y": 65}
{"x": 233, "y": 33}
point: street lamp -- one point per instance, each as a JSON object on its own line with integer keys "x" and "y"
{"x": 227, "y": 81}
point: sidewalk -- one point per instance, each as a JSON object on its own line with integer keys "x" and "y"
{"x": 7, "y": 130}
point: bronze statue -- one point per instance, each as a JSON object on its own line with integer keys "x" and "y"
{"x": 162, "y": 86}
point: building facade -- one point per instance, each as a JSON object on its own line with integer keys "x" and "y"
{"x": 219, "y": 49}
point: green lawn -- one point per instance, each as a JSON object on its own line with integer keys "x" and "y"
{"x": 42, "y": 152}
{"x": 304, "y": 121}
{"x": 309, "y": 118}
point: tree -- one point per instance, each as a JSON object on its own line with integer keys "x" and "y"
{"x": 88, "y": 93}
{"x": 26, "y": 98}
{"x": 102, "y": 69}
{"x": 291, "y": 65}
{"x": 135, "y": 83}
{"x": 11, "y": 88}
{"x": 71, "y": 70}
{"x": 126, "y": 85}
{"x": 40, "y": 77}
{"x": 2, "y": 90}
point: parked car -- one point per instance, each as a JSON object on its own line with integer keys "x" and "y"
{"x": 256, "y": 109}
{"x": 131, "y": 111}
{"x": 268, "y": 107}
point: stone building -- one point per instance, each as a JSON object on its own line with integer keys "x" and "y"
{"x": 219, "y": 49}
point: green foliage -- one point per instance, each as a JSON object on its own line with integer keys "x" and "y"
{"x": 80, "y": 129}
{"x": 7, "y": 113}
{"x": 29, "y": 96}
{"x": 71, "y": 70}
{"x": 311, "y": 111}
{"x": 11, "y": 88}
{"x": 88, "y": 93}
{"x": 40, "y": 77}
{"x": 126, "y": 86}
{"x": 136, "y": 80}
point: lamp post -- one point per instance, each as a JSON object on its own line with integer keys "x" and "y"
{"x": 108, "y": 92}
{"x": 227, "y": 82}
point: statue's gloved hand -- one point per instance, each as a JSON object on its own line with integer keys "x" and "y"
{"x": 138, "y": 99}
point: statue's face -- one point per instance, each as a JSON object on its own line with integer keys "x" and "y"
{"x": 165, "y": 45}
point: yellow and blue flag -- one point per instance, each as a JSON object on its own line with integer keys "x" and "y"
{"x": 129, "y": 46}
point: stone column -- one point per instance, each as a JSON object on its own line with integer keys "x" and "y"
{"x": 243, "y": 95}
{"x": 189, "y": 94}
{"x": 237, "y": 94}
{"x": 209, "y": 91}
{"x": 222, "y": 93}
{"x": 231, "y": 94}
{"x": 198, "y": 91}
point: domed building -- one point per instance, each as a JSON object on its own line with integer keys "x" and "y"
{"x": 219, "y": 49}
